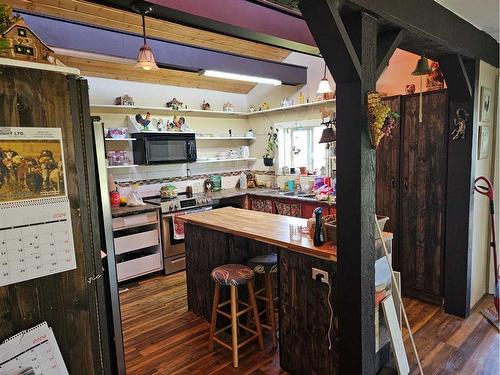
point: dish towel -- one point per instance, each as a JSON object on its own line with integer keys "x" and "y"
{"x": 178, "y": 226}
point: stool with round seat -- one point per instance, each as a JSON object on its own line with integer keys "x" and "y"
{"x": 233, "y": 275}
{"x": 267, "y": 265}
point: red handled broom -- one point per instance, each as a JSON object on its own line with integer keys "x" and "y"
{"x": 489, "y": 313}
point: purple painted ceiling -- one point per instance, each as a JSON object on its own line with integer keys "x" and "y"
{"x": 72, "y": 36}
{"x": 246, "y": 15}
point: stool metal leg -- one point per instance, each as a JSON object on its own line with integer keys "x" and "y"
{"x": 234, "y": 325}
{"x": 213, "y": 323}
{"x": 253, "y": 303}
{"x": 270, "y": 306}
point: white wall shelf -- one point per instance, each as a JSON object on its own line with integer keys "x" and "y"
{"x": 122, "y": 166}
{"x": 130, "y": 109}
{"x": 224, "y": 160}
{"x": 119, "y": 139}
{"x": 225, "y": 138}
{"x": 39, "y": 66}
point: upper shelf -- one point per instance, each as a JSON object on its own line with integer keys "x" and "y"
{"x": 39, "y": 66}
{"x": 131, "y": 109}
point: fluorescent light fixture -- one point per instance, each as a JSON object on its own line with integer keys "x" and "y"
{"x": 240, "y": 77}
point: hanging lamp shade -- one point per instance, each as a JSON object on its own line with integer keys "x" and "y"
{"x": 422, "y": 67}
{"x": 324, "y": 85}
{"x": 145, "y": 57}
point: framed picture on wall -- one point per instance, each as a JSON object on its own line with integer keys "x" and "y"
{"x": 484, "y": 142}
{"x": 486, "y": 104}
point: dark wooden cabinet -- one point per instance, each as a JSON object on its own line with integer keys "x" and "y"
{"x": 387, "y": 192}
{"x": 411, "y": 190}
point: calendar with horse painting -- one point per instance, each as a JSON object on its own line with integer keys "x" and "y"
{"x": 31, "y": 169}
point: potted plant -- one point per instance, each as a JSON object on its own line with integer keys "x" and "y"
{"x": 272, "y": 145}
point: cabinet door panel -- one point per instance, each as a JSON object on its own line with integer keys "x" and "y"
{"x": 423, "y": 193}
{"x": 387, "y": 189}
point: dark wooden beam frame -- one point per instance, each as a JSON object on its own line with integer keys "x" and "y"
{"x": 461, "y": 77}
{"x": 431, "y": 20}
{"x": 349, "y": 47}
{"x": 386, "y": 45}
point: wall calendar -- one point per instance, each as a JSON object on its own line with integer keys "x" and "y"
{"x": 36, "y": 237}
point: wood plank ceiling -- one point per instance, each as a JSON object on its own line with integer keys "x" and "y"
{"x": 102, "y": 16}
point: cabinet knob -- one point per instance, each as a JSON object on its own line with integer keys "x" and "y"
{"x": 406, "y": 183}
{"x": 393, "y": 182}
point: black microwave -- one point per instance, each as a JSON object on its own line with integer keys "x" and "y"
{"x": 164, "y": 148}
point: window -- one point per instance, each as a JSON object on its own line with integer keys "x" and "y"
{"x": 299, "y": 147}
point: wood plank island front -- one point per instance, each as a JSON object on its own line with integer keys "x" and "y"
{"x": 231, "y": 235}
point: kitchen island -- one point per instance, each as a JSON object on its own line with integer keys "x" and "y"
{"x": 231, "y": 235}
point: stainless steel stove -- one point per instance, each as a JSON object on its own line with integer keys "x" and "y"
{"x": 180, "y": 203}
{"x": 172, "y": 239}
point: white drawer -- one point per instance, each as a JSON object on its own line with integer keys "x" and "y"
{"x": 136, "y": 241}
{"x": 131, "y": 221}
{"x": 139, "y": 266}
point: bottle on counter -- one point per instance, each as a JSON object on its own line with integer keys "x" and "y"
{"x": 243, "y": 180}
{"x": 319, "y": 238}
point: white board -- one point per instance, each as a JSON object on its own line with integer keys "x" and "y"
{"x": 396, "y": 336}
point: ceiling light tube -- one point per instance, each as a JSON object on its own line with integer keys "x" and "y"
{"x": 240, "y": 77}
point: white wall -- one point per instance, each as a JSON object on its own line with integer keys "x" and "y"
{"x": 104, "y": 91}
{"x": 488, "y": 76}
{"x": 273, "y": 95}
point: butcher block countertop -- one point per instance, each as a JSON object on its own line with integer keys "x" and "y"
{"x": 260, "y": 226}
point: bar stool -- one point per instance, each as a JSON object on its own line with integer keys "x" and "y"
{"x": 233, "y": 275}
{"x": 266, "y": 265}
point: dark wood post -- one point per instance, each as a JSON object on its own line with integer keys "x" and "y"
{"x": 461, "y": 78}
{"x": 349, "y": 46}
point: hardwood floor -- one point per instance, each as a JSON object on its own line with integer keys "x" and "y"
{"x": 162, "y": 337}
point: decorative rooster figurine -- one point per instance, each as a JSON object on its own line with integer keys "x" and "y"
{"x": 143, "y": 121}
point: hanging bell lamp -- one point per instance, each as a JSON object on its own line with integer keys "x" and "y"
{"x": 145, "y": 57}
{"x": 422, "y": 69}
{"x": 324, "y": 85}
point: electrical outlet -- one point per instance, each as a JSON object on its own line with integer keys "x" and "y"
{"x": 316, "y": 272}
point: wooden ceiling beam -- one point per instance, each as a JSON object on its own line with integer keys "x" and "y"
{"x": 106, "y": 17}
{"x": 127, "y": 72}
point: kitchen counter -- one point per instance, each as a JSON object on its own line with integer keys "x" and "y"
{"x": 233, "y": 236}
{"x": 124, "y": 211}
{"x": 259, "y": 226}
{"x": 265, "y": 193}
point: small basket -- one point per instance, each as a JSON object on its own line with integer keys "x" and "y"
{"x": 330, "y": 230}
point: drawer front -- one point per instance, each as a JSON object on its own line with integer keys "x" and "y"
{"x": 135, "y": 220}
{"x": 136, "y": 241}
{"x": 175, "y": 264}
{"x": 139, "y": 266}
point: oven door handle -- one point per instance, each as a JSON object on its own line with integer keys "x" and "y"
{"x": 169, "y": 216}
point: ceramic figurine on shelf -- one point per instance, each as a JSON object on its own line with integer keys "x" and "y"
{"x": 182, "y": 125}
{"x": 302, "y": 99}
{"x": 143, "y": 121}
{"x": 228, "y": 107}
{"x": 410, "y": 89}
{"x": 124, "y": 100}
{"x": 174, "y": 104}
{"x": 265, "y": 106}
{"x": 205, "y": 106}
{"x": 252, "y": 108}
{"x": 285, "y": 102}
{"x": 435, "y": 80}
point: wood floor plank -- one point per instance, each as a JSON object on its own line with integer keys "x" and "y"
{"x": 162, "y": 337}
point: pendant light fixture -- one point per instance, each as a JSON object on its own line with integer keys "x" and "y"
{"x": 421, "y": 70}
{"x": 145, "y": 57}
{"x": 324, "y": 84}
